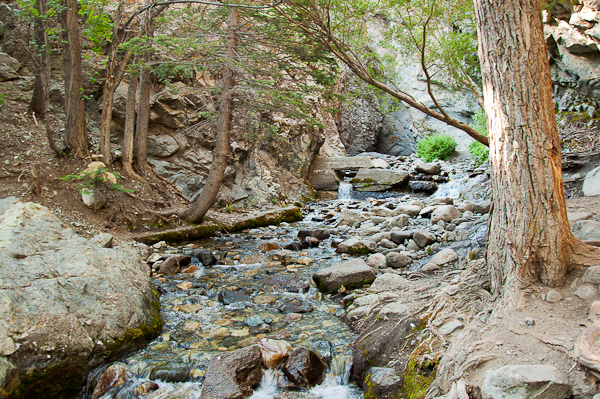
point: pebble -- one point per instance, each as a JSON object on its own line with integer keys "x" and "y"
{"x": 553, "y": 296}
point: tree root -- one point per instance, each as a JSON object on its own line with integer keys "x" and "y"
{"x": 584, "y": 255}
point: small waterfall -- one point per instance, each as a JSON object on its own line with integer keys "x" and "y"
{"x": 345, "y": 191}
{"x": 268, "y": 385}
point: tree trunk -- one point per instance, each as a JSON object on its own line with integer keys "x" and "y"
{"x": 530, "y": 240}
{"x": 195, "y": 213}
{"x": 75, "y": 127}
{"x": 140, "y": 143}
{"x": 129, "y": 128}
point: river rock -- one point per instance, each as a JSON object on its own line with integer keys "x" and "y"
{"x": 205, "y": 256}
{"x": 63, "y": 290}
{"x": 428, "y": 168}
{"x": 304, "y": 368}
{"x": 444, "y": 257}
{"x": 232, "y": 375}
{"x": 591, "y": 183}
{"x": 227, "y": 297}
{"x": 525, "y": 381}
{"x": 295, "y": 306}
{"x": 445, "y": 213}
{"x": 587, "y": 230}
{"x": 399, "y": 221}
{"x": 319, "y": 234}
{"x": 356, "y": 246}
{"x": 482, "y": 206}
{"x": 294, "y": 246}
{"x": 273, "y": 352}
{"x": 351, "y": 274}
{"x": 388, "y": 282}
{"x": 381, "y": 211}
{"x": 423, "y": 186}
{"x": 423, "y": 238}
{"x": 172, "y": 265}
{"x": 287, "y": 283}
{"x": 400, "y": 236}
{"x": 376, "y": 261}
{"x": 397, "y": 260}
{"x": 349, "y": 217}
{"x": 405, "y": 209}
{"x": 113, "y": 376}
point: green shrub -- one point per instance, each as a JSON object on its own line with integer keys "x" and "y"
{"x": 436, "y": 146}
{"x": 479, "y": 152}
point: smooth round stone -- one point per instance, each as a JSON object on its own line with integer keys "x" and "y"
{"x": 263, "y": 299}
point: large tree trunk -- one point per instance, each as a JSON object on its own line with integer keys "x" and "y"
{"x": 530, "y": 240}
{"x": 75, "y": 127}
{"x": 195, "y": 213}
{"x": 140, "y": 144}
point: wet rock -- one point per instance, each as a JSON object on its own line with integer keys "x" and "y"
{"x": 397, "y": 260}
{"x": 351, "y": 274}
{"x": 256, "y": 321}
{"x": 227, "y": 297}
{"x": 527, "y": 381}
{"x": 113, "y": 376}
{"x": 587, "y": 230}
{"x": 295, "y": 306}
{"x": 311, "y": 242}
{"x": 423, "y": 186}
{"x": 268, "y": 246}
{"x": 264, "y": 299}
{"x": 205, "y": 256}
{"x": 424, "y": 238}
{"x": 273, "y": 352}
{"x": 445, "y": 213}
{"x": 294, "y": 246}
{"x": 325, "y": 349}
{"x": 592, "y": 275}
{"x": 384, "y": 382}
{"x": 172, "y": 265}
{"x": 400, "y": 236}
{"x": 304, "y": 368}
{"x": 356, "y": 246}
{"x": 319, "y": 234}
{"x": 171, "y": 373}
{"x": 287, "y": 283}
{"x": 146, "y": 387}
{"x": 253, "y": 259}
{"x": 591, "y": 183}
{"x": 232, "y": 375}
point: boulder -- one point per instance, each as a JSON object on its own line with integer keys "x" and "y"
{"x": 378, "y": 179}
{"x": 205, "y": 256}
{"x": 113, "y": 376}
{"x": 424, "y": 238}
{"x": 8, "y": 67}
{"x": 232, "y": 375}
{"x": 399, "y": 221}
{"x": 376, "y": 261}
{"x": 445, "y": 213}
{"x": 304, "y": 368}
{"x": 423, "y": 186}
{"x": 591, "y": 183}
{"x": 526, "y": 382}
{"x": 381, "y": 211}
{"x": 319, "y": 234}
{"x": 162, "y": 146}
{"x": 482, "y": 206}
{"x": 397, "y": 260}
{"x": 577, "y": 216}
{"x": 295, "y": 306}
{"x": 351, "y": 274}
{"x": 172, "y": 265}
{"x": 443, "y": 257}
{"x": 428, "y": 168}
{"x": 400, "y": 236}
{"x": 356, "y": 246}
{"x": 587, "y": 230}
{"x": 62, "y": 290}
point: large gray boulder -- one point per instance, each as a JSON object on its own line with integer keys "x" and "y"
{"x": 356, "y": 246}
{"x": 591, "y": 183}
{"x": 525, "y": 382}
{"x": 232, "y": 375}
{"x": 67, "y": 303}
{"x": 446, "y": 213}
{"x": 351, "y": 274}
{"x": 587, "y": 230}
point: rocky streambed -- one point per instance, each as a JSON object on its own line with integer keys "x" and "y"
{"x": 276, "y": 311}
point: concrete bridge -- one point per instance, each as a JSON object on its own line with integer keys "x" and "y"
{"x": 372, "y": 174}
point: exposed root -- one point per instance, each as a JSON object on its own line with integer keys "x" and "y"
{"x": 584, "y": 255}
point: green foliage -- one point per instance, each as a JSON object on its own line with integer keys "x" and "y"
{"x": 415, "y": 383}
{"x": 479, "y": 152}
{"x": 98, "y": 25}
{"x": 2, "y": 99}
{"x": 436, "y": 146}
{"x": 96, "y": 178}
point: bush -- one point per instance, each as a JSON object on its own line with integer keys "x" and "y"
{"x": 479, "y": 152}
{"x": 436, "y": 146}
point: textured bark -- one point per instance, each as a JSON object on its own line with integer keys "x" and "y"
{"x": 130, "y": 128}
{"x": 530, "y": 240}
{"x": 75, "y": 128}
{"x": 195, "y": 213}
{"x": 140, "y": 143}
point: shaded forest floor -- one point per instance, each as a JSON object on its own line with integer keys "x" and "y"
{"x": 24, "y": 145}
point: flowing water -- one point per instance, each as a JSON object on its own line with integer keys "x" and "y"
{"x": 345, "y": 191}
{"x": 258, "y": 284}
